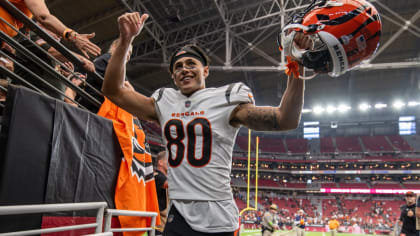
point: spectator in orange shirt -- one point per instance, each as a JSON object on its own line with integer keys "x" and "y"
{"x": 333, "y": 225}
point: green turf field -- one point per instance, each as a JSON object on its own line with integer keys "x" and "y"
{"x": 258, "y": 233}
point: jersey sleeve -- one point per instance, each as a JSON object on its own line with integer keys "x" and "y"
{"x": 238, "y": 93}
{"x": 157, "y": 94}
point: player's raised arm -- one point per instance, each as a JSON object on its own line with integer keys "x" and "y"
{"x": 130, "y": 25}
{"x": 284, "y": 117}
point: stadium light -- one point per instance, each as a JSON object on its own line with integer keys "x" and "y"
{"x": 343, "y": 108}
{"x": 305, "y": 110}
{"x": 318, "y": 110}
{"x": 330, "y": 109}
{"x": 398, "y": 104}
{"x": 380, "y": 105}
{"x": 413, "y": 104}
{"x": 364, "y": 107}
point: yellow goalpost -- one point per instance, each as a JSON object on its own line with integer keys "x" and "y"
{"x": 248, "y": 208}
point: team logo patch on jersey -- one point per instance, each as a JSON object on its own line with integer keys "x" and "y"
{"x": 187, "y": 104}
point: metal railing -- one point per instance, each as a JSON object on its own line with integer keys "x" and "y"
{"x": 29, "y": 55}
{"x": 101, "y": 211}
{"x": 44, "y": 35}
{"x": 101, "y": 234}
{"x": 48, "y": 208}
{"x": 111, "y": 212}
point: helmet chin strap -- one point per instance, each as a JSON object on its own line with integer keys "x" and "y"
{"x": 334, "y": 53}
{"x": 287, "y": 41}
{"x": 288, "y": 45}
{"x": 303, "y": 77}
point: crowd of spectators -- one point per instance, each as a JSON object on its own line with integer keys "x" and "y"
{"x": 369, "y": 213}
{"x": 55, "y": 75}
{"x": 395, "y": 164}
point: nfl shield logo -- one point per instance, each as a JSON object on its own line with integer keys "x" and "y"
{"x": 187, "y": 104}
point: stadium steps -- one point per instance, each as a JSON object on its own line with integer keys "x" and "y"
{"x": 317, "y": 203}
{"x": 334, "y": 142}
{"x": 413, "y": 141}
{"x": 339, "y": 204}
{"x": 361, "y": 144}
{"x": 283, "y": 140}
{"x": 314, "y": 145}
{"x": 285, "y": 145}
{"x": 390, "y": 143}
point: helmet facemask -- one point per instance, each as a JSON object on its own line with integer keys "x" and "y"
{"x": 343, "y": 32}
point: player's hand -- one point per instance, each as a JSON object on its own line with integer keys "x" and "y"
{"x": 130, "y": 25}
{"x": 303, "y": 41}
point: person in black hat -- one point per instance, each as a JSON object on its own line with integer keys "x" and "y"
{"x": 407, "y": 217}
{"x": 199, "y": 128}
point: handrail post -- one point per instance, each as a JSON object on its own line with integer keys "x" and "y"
{"x": 99, "y": 219}
{"x": 153, "y": 224}
{"x": 108, "y": 218}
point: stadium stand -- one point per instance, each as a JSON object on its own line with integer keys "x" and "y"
{"x": 348, "y": 144}
{"x": 353, "y": 185}
{"x": 327, "y": 145}
{"x": 384, "y": 185}
{"x": 242, "y": 143}
{"x": 376, "y": 143}
{"x": 399, "y": 143}
{"x": 272, "y": 145}
{"x": 328, "y": 185}
{"x": 265, "y": 182}
{"x": 297, "y": 145}
{"x": 412, "y": 185}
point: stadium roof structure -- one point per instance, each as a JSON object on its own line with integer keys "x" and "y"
{"x": 240, "y": 37}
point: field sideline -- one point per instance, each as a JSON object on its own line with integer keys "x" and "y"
{"x": 283, "y": 233}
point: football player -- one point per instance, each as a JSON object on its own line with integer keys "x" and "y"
{"x": 199, "y": 127}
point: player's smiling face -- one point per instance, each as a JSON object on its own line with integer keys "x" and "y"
{"x": 189, "y": 75}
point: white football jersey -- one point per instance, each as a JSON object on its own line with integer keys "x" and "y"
{"x": 199, "y": 139}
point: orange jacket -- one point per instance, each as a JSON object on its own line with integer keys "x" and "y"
{"x": 20, "y": 4}
{"x": 136, "y": 189}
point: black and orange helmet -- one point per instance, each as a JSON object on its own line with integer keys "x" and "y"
{"x": 345, "y": 32}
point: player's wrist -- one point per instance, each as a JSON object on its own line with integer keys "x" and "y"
{"x": 125, "y": 40}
